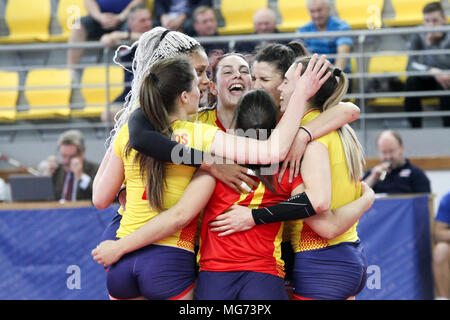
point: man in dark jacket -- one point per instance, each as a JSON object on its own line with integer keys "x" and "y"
{"x": 73, "y": 178}
{"x": 395, "y": 174}
{"x": 433, "y": 16}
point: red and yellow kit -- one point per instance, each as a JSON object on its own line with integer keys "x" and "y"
{"x": 343, "y": 191}
{"x": 209, "y": 116}
{"x": 257, "y": 249}
{"x": 177, "y": 179}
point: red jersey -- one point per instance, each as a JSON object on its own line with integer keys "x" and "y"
{"x": 257, "y": 249}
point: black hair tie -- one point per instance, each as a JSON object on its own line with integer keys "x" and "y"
{"x": 337, "y": 72}
{"x": 154, "y": 77}
{"x": 163, "y": 35}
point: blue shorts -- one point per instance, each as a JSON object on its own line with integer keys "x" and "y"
{"x": 155, "y": 272}
{"x": 111, "y": 229}
{"x": 333, "y": 273}
{"x": 239, "y": 285}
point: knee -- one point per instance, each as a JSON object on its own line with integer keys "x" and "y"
{"x": 441, "y": 253}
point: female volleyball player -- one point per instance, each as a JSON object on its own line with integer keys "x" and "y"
{"x": 171, "y": 98}
{"x": 246, "y": 265}
{"x": 331, "y": 244}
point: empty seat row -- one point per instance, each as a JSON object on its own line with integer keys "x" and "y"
{"x": 48, "y": 93}
{"x": 29, "y": 21}
{"x": 389, "y": 62}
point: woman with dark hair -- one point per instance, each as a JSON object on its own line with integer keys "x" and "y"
{"x": 168, "y": 94}
{"x": 245, "y": 265}
{"x": 329, "y": 259}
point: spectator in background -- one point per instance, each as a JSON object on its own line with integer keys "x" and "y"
{"x": 205, "y": 25}
{"x": 264, "y": 22}
{"x": 433, "y": 15}
{"x": 395, "y": 174}
{"x": 441, "y": 251}
{"x": 188, "y": 25}
{"x": 172, "y": 14}
{"x": 321, "y": 20}
{"x": 73, "y": 178}
{"x": 103, "y": 16}
{"x": 139, "y": 21}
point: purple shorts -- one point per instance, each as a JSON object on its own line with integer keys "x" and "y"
{"x": 111, "y": 229}
{"x": 155, "y": 272}
{"x": 239, "y": 285}
{"x": 333, "y": 273}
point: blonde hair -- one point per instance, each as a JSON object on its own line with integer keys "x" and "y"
{"x": 153, "y": 46}
{"x": 328, "y": 96}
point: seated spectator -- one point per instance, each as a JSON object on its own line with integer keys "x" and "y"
{"x": 441, "y": 251}
{"x": 321, "y": 20}
{"x": 73, "y": 178}
{"x": 103, "y": 16}
{"x": 205, "y": 25}
{"x": 139, "y": 21}
{"x": 395, "y": 174}
{"x": 188, "y": 25}
{"x": 264, "y": 22}
{"x": 433, "y": 15}
{"x": 171, "y": 14}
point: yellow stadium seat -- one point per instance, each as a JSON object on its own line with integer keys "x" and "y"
{"x": 407, "y": 13}
{"x": 68, "y": 12}
{"x": 238, "y": 15}
{"x": 151, "y": 6}
{"x": 95, "y": 96}
{"x": 8, "y": 98}
{"x": 361, "y": 14}
{"x": 47, "y": 103}
{"x": 28, "y": 21}
{"x": 293, "y": 15}
{"x": 388, "y": 64}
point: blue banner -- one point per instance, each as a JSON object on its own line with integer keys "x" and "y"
{"x": 46, "y": 254}
{"x": 396, "y": 237}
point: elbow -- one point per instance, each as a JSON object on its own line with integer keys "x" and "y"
{"x": 355, "y": 113}
{"x": 320, "y": 203}
{"x": 328, "y": 233}
{"x": 100, "y": 202}
{"x": 282, "y": 155}
{"x": 277, "y": 156}
{"x": 325, "y": 230}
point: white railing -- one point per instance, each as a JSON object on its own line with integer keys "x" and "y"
{"x": 359, "y": 52}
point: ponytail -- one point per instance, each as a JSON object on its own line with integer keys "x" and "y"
{"x": 167, "y": 80}
{"x": 330, "y": 95}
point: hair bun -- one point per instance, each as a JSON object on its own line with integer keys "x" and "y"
{"x": 337, "y": 72}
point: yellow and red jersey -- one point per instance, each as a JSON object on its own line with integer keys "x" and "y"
{"x": 178, "y": 177}
{"x": 257, "y": 249}
{"x": 209, "y": 116}
{"x": 343, "y": 191}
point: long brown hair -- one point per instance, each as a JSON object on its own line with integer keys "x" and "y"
{"x": 167, "y": 80}
{"x": 328, "y": 96}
